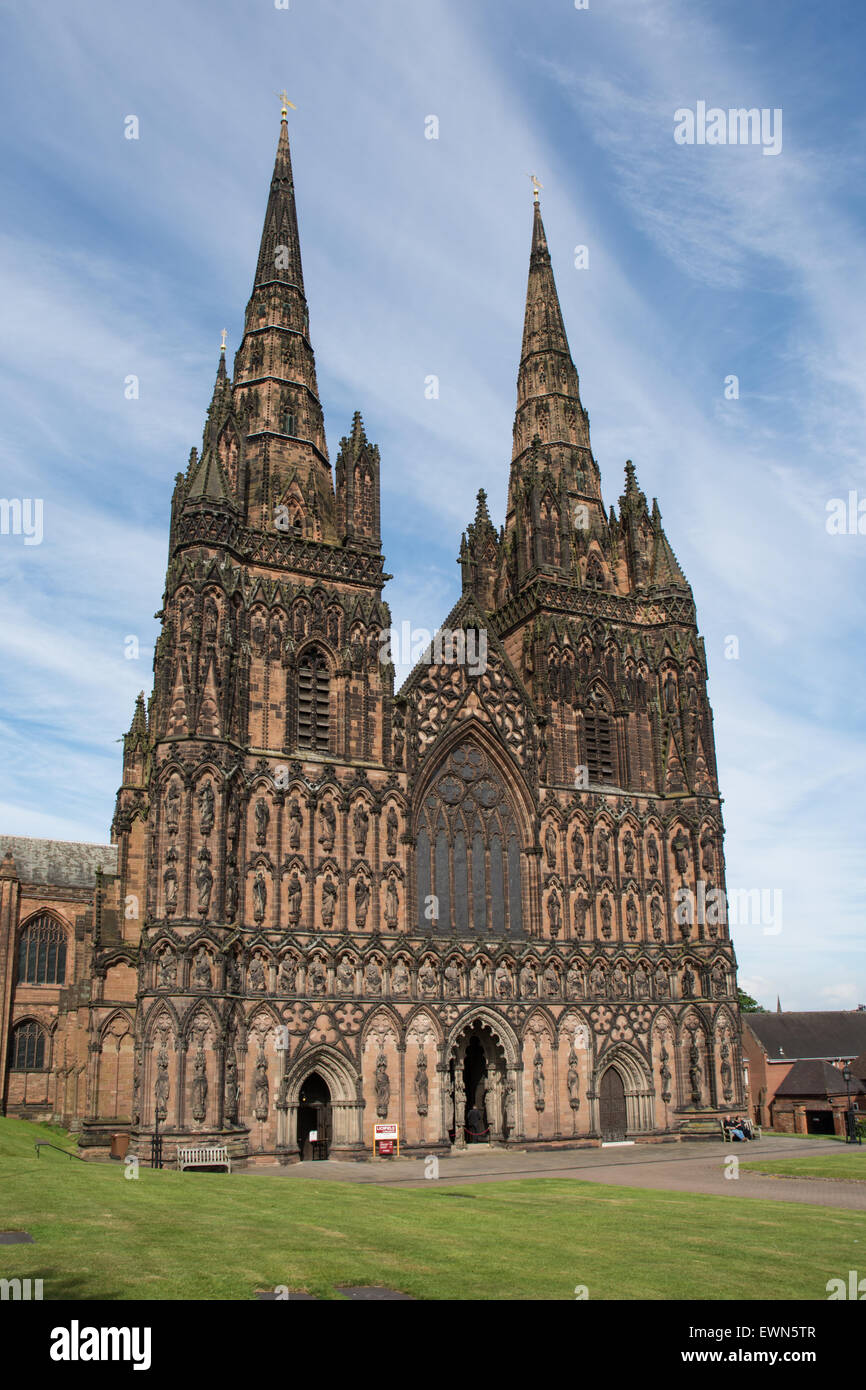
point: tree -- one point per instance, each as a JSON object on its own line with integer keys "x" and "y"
{"x": 748, "y": 1005}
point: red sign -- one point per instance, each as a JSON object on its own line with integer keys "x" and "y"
{"x": 386, "y": 1146}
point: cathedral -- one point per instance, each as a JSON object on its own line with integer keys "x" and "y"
{"x": 486, "y": 907}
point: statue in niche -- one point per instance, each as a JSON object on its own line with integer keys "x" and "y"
{"x": 392, "y": 903}
{"x": 383, "y": 1086}
{"x": 688, "y": 984}
{"x": 172, "y": 808}
{"x": 204, "y": 881}
{"x": 169, "y": 881}
{"x": 400, "y": 978}
{"x": 641, "y": 982}
{"x": 329, "y": 826}
{"x": 695, "y": 1077}
{"x": 510, "y": 1105}
{"x": 233, "y": 974}
{"x": 554, "y": 913}
{"x": 421, "y": 1084}
{"x": 606, "y": 914}
{"x": 717, "y": 977}
{"x": 231, "y": 1089}
{"x": 574, "y": 982}
{"x": 258, "y": 978}
{"x": 628, "y": 851}
{"x": 205, "y": 807}
{"x": 542, "y": 757}
{"x": 345, "y": 976}
{"x": 199, "y": 1086}
{"x": 669, "y": 691}
{"x": 665, "y": 1074}
{"x": 527, "y": 981}
{"x": 362, "y": 901}
{"x": 260, "y": 895}
{"x": 619, "y": 981}
{"x": 318, "y": 980}
{"x": 162, "y": 1086}
{"x": 202, "y": 978}
{"x": 572, "y": 1080}
{"x": 602, "y": 847}
{"x": 662, "y": 980}
{"x": 295, "y": 898}
{"x": 167, "y": 970}
{"x": 551, "y": 981}
{"x": 452, "y": 978}
{"x": 263, "y": 816}
{"x": 725, "y": 1070}
{"x": 581, "y": 907}
{"x": 656, "y": 918}
{"x": 427, "y": 978}
{"x": 553, "y": 681}
{"x": 399, "y": 739}
{"x": 538, "y": 1081}
{"x": 476, "y": 980}
{"x": 360, "y": 827}
{"x": 262, "y": 1105}
{"x": 211, "y": 622}
{"x": 502, "y": 983}
{"x": 681, "y": 848}
{"x": 392, "y": 826}
{"x": 550, "y": 845}
{"x": 373, "y": 978}
{"x": 631, "y": 918}
{"x": 597, "y": 983}
{"x": 329, "y": 900}
{"x": 708, "y": 851}
{"x": 459, "y": 1100}
{"x": 276, "y": 639}
{"x": 577, "y": 849}
{"x": 295, "y": 823}
{"x": 652, "y": 854}
{"x": 286, "y": 977}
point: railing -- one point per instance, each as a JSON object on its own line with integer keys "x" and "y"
{"x": 45, "y": 1144}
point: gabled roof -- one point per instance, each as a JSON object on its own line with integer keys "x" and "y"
{"x": 64, "y": 863}
{"x": 808, "y": 1036}
{"x": 817, "y": 1079}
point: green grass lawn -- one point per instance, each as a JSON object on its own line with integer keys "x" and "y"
{"x": 847, "y": 1163}
{"x": 171, "y": 1235}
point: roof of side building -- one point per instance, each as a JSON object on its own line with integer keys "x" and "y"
{"x": 62, "y": 863}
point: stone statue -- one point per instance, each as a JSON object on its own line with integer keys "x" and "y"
{"x": 427, "y": 977}
{"x": 574, "y": 982}
{"x": 162, "y": 1086}
{"x": 631, "y": 917}
{"x": 169, "y": 880}
{"x": 362, "y": 901}
{"x": 652, "y": 854}
{"x": 628, "y": 849}
{"x": 581, "y": 907}
{"x": 551, "y": 981}
{"x": 286, "y": 977}
{"x": 199, "y": 1087}
{"x": 502, "y": 983}
{"x": 317, "y": 978}
{"x": 204, "y": 881}
{"x": 383, "y": 1086}
{"x": 262, "y": 1105}
{"x": 725, "y": 1071}
{"x": 257, "y": 973}
{"x": 695, "y": 1078}
{"x": 550, "y": 845}
{"x": 527, "y": 981}
{"x": 656, "y": 917}
{"x": 231, "y": 889}
{"x": 263, "y": 816}
{"x": 708, "y": 848}
{"x": 172, "y": 808}
{"x": 205, "y": 807}
{"x": 202, "y": 978}
{"x": 392, "y": 903}
{"x": 360, "y": 826}
{"x": 669, "y": 689}
{"x": 619, "y": 981}
{"x": 681, "y": 848}
{"x": 641, "y": 982}
{"x": 573, "y": 1080}
{"x": 167, "y": 970}
{"x": 476, "y": 980}
{"x": 400, "y": 978}
{"x": 688, "y": 983}
{"x": 597, "y": 983}
{"x": 346, "y": 976}
{"x": 538, "y": 1081}
{"x": 602, "y": 847}
{"x": 230, "y": 1102}
{"x": 663, "y": 980}
{"x": 295, "y": 823}
{"x": 329, "y": 826}
{"x": 296, "y": 896}
{"x": 260, "y": 895}
{"x": 392, "y": 826}
{"x": 510, "y": 1105}
{"x": 577, "y": 849}
{"x": 451, "y": 978}
{"x": 606, "y": 914}
{"x": 717, "y": 977}
{"x": 373, "y": 978}
{"x": 329, "y": 900}
{"x": 554, "y": 913}
{"x": 421, "y": 1084}
{"x": 665, "y": 1074}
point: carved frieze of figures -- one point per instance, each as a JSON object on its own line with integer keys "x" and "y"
{"x": 400, "y": 978}
{"x": 597, "y": 983}
{"x": 392, "y": 903}
{"x": 345, "y": 976}
{"x": 528, "y": 986}
{"x": 286, "y": 976}
{"x": 167, "y": 970}
{"x": 295, "y": 823}
{"x": 328, "y": 818}
{"x": 383, "y": 1086}
{"x": 719, "y": 983}
{"x": 681, "y": 850}
{"x": 641, "y": 982}
{"x": 538, "y": 1081}
{"x": 258, "y": 979}
{"x": 574, "y": 982}
{"x": 502, "y": 983}
{"x": 427, "y": 978}
{"x": 199, "y": 1085}
{"x": 263, "y": 816}
{"x": 551, "y": 981}
{"x": 316, "y": 977}
{"x": 329, "y": 900}
{"x": 260, "y": 895}
{"x": 550, "y": 845}
{"x": 373, "y": 978}
{"x": 201, "y": 977}
{"x": 262, "y": 1088}
{"x": 451, "y": 978}
{"x": 421, "y": 1084}
{"x": 392, "y": 826}
{"x": 204, "y": 880}
{"x": 205, "y": 807}
{"x": 476, "y": 980}
{"x": 360, "y": 827}
{"x": 688, "y": 983}
{"x": 662, "y": 980}
{"x": 618, "y": 981}
{"x": 362, "y": 901}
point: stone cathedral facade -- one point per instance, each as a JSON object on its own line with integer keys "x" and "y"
{"x": 486, "y": 906}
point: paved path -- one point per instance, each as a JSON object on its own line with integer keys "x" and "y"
{"x": 687, "y": 1167}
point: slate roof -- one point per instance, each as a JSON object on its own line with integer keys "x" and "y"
{"x": 813, "y": 1035}
{"x": 817, "y": 1079}
{"x": 63, "y": 863}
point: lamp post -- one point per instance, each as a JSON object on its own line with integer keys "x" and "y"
{"x": 850, "y": 1123}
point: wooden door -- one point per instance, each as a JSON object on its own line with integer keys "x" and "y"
{"x": 611, "y": 1106}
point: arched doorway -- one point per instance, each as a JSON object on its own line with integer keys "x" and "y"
{"x": 612, "y": 1116}
{"x": 477, "y": 1083}
{"x": 314, "y": 1118}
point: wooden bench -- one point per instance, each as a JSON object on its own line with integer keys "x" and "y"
{"x": 726, "y": 1136}
{"x": 204, "y": 1156}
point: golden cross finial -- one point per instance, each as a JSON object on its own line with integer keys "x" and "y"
{"x": 223, "y": 343}
{"x": 535, "y": 186}
{"x": 284, "y": 98}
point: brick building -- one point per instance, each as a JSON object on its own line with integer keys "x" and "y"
{"x": 794, "y": 1066}
{"x": 483, "y": 901}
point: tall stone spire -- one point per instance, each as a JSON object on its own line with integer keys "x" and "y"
{"x": 280, "y": 249}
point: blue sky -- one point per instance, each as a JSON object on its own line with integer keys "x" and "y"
{"x": 123, "y": 257}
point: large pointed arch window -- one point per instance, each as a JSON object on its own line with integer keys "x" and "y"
{"x": 42, "y": 952}
{"x": 314, "y": 701}
{"x": 468, "y": 854}
{"x": 28, "y": 1047}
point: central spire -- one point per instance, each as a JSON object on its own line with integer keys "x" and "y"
{"x": 280, "y": 249}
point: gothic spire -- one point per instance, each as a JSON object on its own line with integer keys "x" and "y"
{"x": 280, "y": 249}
